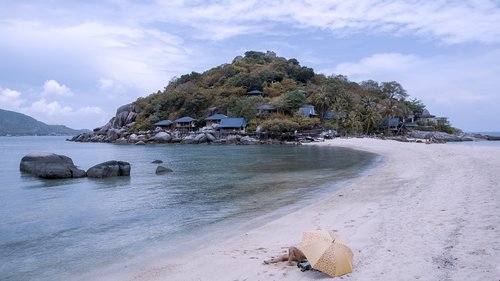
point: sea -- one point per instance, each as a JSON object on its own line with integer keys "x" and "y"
{"x": 73, "y": 229}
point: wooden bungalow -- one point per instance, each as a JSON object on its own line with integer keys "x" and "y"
{"x": 233, "y": 124}
{"x": 265, "y": 109}
{"x": 185, "y": 124}
{"x": 165, "y": 124}
{"x": 308, "y": 110}
{"x": 215, "y": 119}
{"x": 254, "y": 93}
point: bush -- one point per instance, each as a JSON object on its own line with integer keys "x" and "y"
{"x": 279, "y": 126}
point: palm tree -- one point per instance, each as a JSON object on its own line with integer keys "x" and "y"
{"x": 370, "y": 112}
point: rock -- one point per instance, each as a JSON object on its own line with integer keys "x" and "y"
{"x": 201, "y": 138}
{"x": 249, "y": 140}
{"x": 157, "y": 162}
{"x": 434, "y": 136}
{"x": 162, "y": 170}
{"x": 133, "y": 138}
{"x": 109, "y": 169}
{"x": 233, "y": 138}
{"x": 50, "y": 166}
{"x": 112, "y": 135}
{"x": 210, "y": 137}
{"x": 121, "y": 140}
{"x": 190, "y": 139}
{"x": 162, "y": 137}
{"x": 140, "y": 143}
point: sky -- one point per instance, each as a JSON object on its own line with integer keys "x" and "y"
{"x": 75, "y": 62}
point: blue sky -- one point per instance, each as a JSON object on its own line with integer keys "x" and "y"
{"x": 75, "y": 62}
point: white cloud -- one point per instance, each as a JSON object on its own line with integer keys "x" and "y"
{"x": 451, "y": 22}
{"x": 52, "y": 112}
{"x": 10, "y": 99}
{"x": 53, "y": 88}
{"x": 462, "y": 88}
{"x": 377, "y": 64}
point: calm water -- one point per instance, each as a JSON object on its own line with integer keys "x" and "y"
{"x": 58, "y": 229}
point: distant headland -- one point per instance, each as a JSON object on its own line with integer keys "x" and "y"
{"x": 18, "y": 124}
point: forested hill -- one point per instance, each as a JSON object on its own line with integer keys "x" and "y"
{"x": 17, "y": 124}
{"x": 284, "y": 86}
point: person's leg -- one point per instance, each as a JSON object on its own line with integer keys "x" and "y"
{"x": 277, "y": 259}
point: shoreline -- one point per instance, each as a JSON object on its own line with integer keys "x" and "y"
{"x": 398, "y": 219}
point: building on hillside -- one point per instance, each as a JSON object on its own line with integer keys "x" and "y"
{"x": 185, "y": 124}
{"x": 265, "y": 109}
{"x": 215, "y": 119}
{"x": 165, "y": 124}
{"x": 333, "y": 115}
{"x": 254, "y": 93}
{"x": 308, "y": 110}
{"x": 234, "y": 124}
{"x": 393, "y": 124}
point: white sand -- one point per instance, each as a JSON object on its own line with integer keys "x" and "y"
{"x": 429, "y": 212}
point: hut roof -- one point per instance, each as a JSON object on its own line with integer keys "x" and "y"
{"x": 233, "y": 123}
{"x": 163, "y": 123}
{"x": 307, "y": 110}
{"x": 216, "y": 117}
{"x": 266, "y": 106}
{"x": 184, "y": 119}
{"x": 254, "y": 92}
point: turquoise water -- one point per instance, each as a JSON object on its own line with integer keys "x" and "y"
{"x": 57, "y": 229}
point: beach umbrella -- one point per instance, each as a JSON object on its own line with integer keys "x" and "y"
{"x": 327, "y": 252}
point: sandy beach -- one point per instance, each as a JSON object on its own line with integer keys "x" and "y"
{"x": 427, "y": 212}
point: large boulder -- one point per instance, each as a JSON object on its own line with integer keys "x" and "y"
{"x": 190, "y": 139}
{"x": 201, "y": 138}
{"x": 112, "y": 135}
{"x": 50, "y": 166}
{"x": 162, "y": 137}
{"x": 111, "y": 168}
{"x": 160, "y": 170}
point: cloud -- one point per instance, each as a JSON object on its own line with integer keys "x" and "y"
{"x": 140, "y": 59}
{"x": 52, "y": 112}
{"x": 53, "y": 88}
{"x": 462, "y": 88}
{"x": 451, "y": 22}
{"x": 10, "y": 99}
{"x": 377, "y": 64}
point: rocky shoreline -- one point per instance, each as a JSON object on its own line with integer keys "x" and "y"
{"x": 117, "y": 131}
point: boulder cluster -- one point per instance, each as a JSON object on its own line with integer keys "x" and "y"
{"x": 440, "y": 137}
{"x": 117, "y": 130}
{"x": 159, "y": 135}
{"x": 55, "y": 166}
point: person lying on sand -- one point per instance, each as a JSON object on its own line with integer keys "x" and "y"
{"x": 294, "y": 254}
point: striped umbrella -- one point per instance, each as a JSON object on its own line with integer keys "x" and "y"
{"x": 326, "y": 251}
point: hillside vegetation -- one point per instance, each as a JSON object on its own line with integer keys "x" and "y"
{"x": 348, "y": 107}
{"x": 17, "y": 124}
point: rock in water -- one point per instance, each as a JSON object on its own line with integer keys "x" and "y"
{"x": 157, "y": 162}
{"x": 163, "y": 170}
{"x": 109, "y": 169}
{"x": 50, "y": 166}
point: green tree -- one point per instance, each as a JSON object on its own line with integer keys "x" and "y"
{"x": 293, "y": 100}
{"x": 370, "y": 114}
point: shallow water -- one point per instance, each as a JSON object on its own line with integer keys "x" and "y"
{"x": 58, "y": 229}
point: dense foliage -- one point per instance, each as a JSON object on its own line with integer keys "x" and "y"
{"x": 346, "y": 106}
